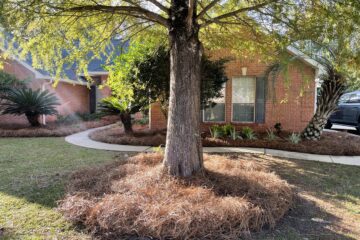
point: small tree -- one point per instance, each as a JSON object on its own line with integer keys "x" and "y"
{"x": 114, "y": 106}
{"x": 31, "y": 103}
{"x": 154, "y": 70}
{"x": 146, "y": 75}
{"x": 332, "y": 87}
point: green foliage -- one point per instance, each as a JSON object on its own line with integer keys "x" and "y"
{"x": 227, "y": 129}
{"x": 278, "y": 127}
{"x": 89, "y": 116}
{"x": 295, "y": 138}
{"x": 271, "y": 136}
{"x": 248, "y": 133}
{"x": 27, "y": 101}
{"x": 30, "y": 103}
{"x": 77, "y": 118}
{"x": 216, "y": 131}
{"x": 144, "y": 71}
{"x": 110, "y": 106}
{"x": 234, "y": 135}
{"x": 143, "y": 121}
{"x": 8, "y": 82}
{"x": 67, "y": 119}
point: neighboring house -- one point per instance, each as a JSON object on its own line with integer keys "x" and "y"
{"x": 252, "y": 100}
{"x": 75, "y": 94}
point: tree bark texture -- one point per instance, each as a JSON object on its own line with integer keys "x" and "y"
{"x": 332, "y": 88}
{"x": 183, "y": 152}
{"x": 126, "y": 121}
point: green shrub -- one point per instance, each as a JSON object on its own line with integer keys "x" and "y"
{"x": 234, "y": 134}
{"x": 248, "y": 133}
{"x": 143, "y": 121}
{"x": 9, "y": 82}
{"x": 295, "y": 138}
{"x": 228, "y": 129}
{"x": 89, "y": 116}
{"x": 271, "y": 136}
{"x": 278, "y": 127}
{"x": 67, "y": 119}
{"x": 216, "y": 131}
{"x": 31, "y": 103}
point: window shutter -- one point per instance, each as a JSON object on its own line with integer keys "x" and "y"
{"x": 260, "y": 100}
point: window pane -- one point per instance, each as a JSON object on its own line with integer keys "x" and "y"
{"x": 243, "y": 90}
{"x": 344, "y": 98}
{"x": 354, "y": 98}
{"x": 215, "y": 113}
{"x": 243, "y": 112}
{"x": 243, "y": 98}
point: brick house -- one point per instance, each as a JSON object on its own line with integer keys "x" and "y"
{"x": 249, "y": 99}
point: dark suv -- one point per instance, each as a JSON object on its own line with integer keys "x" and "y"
{"x": 348, "y": 112}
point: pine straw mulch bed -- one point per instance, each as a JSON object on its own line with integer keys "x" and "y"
{"x": 331, "y": 143}
{"x": 53, "y": 129}
{"x": 134, "y": 198}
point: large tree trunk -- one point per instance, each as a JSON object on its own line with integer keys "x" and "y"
{"x": 183, "y": 152}
{"x": 126, "y": 121}
{"x": 33, "y": 119}
{"x": 331, "y": 90}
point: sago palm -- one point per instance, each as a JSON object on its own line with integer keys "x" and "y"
{"x": 32, "y": 103}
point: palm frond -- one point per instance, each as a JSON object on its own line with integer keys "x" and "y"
{"x": 29, "y": 101}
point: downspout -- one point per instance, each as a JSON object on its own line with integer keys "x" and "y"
{"x": 43, "y": 88}
{"x": 43, "y": 117}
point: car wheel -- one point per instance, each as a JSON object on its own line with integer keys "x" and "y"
{"x": 328, "y": 125}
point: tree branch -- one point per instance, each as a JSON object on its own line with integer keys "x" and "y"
{"x": 191, "y": 9}
{"x": 132, "y": 11}
{"x": 207, "y": 8}
{"x": 159, "y": 5}
{"x": 234, "y": 13}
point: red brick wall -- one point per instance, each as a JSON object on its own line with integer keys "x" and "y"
{"x": 73, "y": 98}
{"x": 289, "y": 108}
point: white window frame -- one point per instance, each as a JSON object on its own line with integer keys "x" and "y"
{"x": 232, "y": 102}
{"x": 203, "y": 110}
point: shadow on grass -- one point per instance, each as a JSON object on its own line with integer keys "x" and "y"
{"x": 306, "y": 220}
{"x": 331, "y": 183}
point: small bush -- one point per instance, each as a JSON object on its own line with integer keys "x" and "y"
{"x": 271, "y": 136}
{"x": 228, "y": 129}
{"x": 67, "y": 119}
{"x": 31, "y": 103}
{"x": 248, "y": 133}
{"x": 234, "y": 134}
{"x": 216, "y": 131}
{"x": 143, "y": 121}
{"x": 295, "y": 138}
{"x": 278, "y": 127}
{"x": 90, "y": 116}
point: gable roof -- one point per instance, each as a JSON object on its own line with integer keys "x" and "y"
{"x": 95, "y": 67}
{"x": 306, "y": 59}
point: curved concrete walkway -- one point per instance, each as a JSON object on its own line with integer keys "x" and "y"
{"x": 82, "y": 139}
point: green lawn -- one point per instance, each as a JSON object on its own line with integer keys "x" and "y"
{"x": 32, "y": 176}
{"x": 33, "y": 173}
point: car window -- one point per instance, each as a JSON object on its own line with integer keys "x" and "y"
{"x": 344, "y": 98}
{"x": 354, "y": 98}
